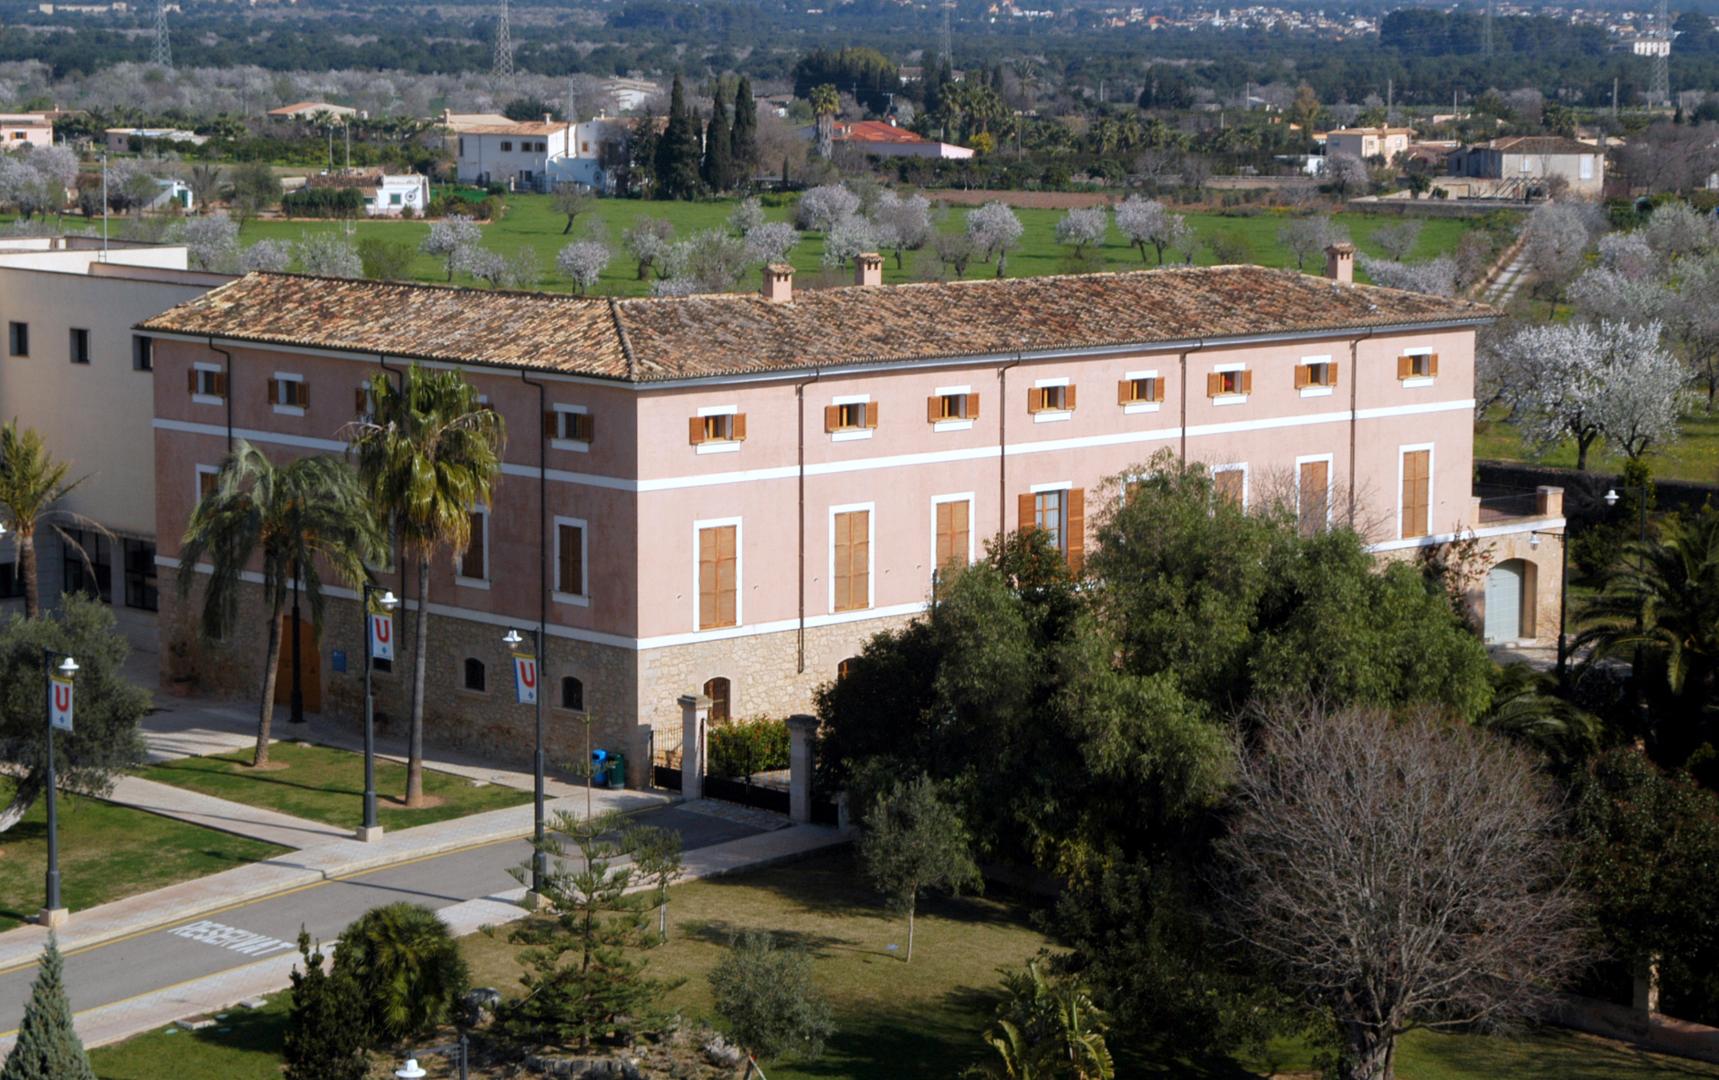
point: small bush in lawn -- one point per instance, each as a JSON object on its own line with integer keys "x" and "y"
{"x": 765, "y": 994}
{"x": 407, "y": 967}
{"x": 739, "y": 750}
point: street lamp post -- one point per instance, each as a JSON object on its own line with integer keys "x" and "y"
{"x": 370, "y": 830}
{"x": 53, "y": 912}
{"x": 1640, "y": 493}
{"x": 539, "y": 857}
{"x": 1563, "y": 591}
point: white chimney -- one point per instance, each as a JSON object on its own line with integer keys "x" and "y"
{"x": 1340, "y": 262}
{"x": 778, "y": 283}
{"x": 868, "y": 268}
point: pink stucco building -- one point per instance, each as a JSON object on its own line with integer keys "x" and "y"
{"x": 738, "y": 489}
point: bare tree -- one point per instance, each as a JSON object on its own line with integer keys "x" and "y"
{"x": 1398, "y": 240}
{"x": 572, "y": 200}
{"x": 1398, "y": 873}
{"x": 1308, "y": 237}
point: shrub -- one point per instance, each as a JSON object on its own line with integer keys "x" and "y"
{"x": 766, "y": 996}
{"x": 407, "y": 969}
{"x": 738, "y": 750}
{"x": 324, "y": 202}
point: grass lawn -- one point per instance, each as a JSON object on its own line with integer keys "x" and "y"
{"x": 1694, "y": 456}
{"x": 893, "y": 1019}
{"x": 108, "y": 852}
{"x": 327, "y": 785}
{"x": 531, "y": 221}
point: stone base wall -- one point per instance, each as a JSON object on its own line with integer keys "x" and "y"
{"x": 230, "y": 667}
{"x": 1543, "y": 582}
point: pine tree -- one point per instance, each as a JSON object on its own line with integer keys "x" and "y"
{"x": 718, "y": 147}
{"x": 48, "y": 1048}
{"x": 743, "y": 138}
{"x": 324, "y": 1036}
{"x": 678, "y": 151}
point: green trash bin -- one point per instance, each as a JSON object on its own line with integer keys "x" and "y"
{"x": 616, "y": 776}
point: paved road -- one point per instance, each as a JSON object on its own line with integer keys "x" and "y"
{"x": 269, "y": 927}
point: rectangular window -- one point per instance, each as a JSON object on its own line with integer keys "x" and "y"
{"x": 364, "y": 403}
{"x": 1316, "y": 374}
{"x": 1061, "y": 513}
{"x": 80, "y": 346}
{"x": 289, "y": 394}
{"x": 718, "y": 577}
{"x": 394, "y": 199}
{"x": 717, "y": 428}
{"x": 1229, "y": 483}
{"x": 953, "y": 534}
{"x": 473, "y": 564}
{"x": 207, "y": 477}
{"x": 850, "y": 560}
{"x": 1234, "y": 383}
{"x": 952, "y": 406}
{"x": 1145, "y": 390}
{"x": 208, "y": 384}
{"x": 140, "y": 584}
{"x": 1050, "y": 398}
{"x": 850, "y": 416}
{"x": 1313, "y": 496}
{"x": 507, "y": 146}
{"x": 88, "y": 564}
{"x": 1417, "y": 491}
{"x": 18, "y": 338}
{"x": 565, "y": 425}
{"x": 570, "y": 579}
{"x": 142, "y": 352}
{"x": 1418, "y": 366}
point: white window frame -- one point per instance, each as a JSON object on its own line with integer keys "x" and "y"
{"x": 1143, "y": 406}
{"x": 718, "y": 446}
{"x": 1230, "y": 399}
{"x": 369, "y": 414}
{"x": 1052, "y": 416}
{"x": 1330, "y": 461}
{"x": 870, "y": 509}
{"x": 197, "y": 481}
{"x": 1239, "y": 466}
{"x": 853, "y": 434}
{"x": 739, "y": 571}
{"x": 578, "y": 446}
{"x": 1432, "y": 461}
{"x": 938, "y": 500}
{"x": 583, "y": 597}
{"x": 1416, "y": 382}
{"x": 285, "y": 377}
{"x": 964, "y": 423}
{"x": 1316, "y": 391}
{"x": 483, "y": 582}
{"x": 197, "y": 396}
{"x": 1063, "y": 486}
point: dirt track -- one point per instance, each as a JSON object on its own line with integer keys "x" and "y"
{"x": 1027, "y": 200}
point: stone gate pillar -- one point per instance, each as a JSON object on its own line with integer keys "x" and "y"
{"x": 802, "y": 739}
{"x": 694, "y": 717}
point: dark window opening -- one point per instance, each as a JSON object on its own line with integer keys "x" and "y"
{"x": 474, "y": 674}
{"x": 572, "y": 694}
{"x": 80, "y": 346}
{"x": 140, "y": 585}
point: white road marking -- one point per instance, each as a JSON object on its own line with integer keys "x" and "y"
{"x": 223, "y": 936}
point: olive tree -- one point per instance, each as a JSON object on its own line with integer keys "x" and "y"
{"x": 912, "y": 840}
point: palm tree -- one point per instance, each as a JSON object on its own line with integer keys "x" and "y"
{"x": 31, "y": 482}
{"x": 1048, "y": 1029}
{"x": 826, "y": 102}
{"x": 429, "y": 457}
{"x": 292, "y": 517}
{"x": 408, "y": 966}
{"x": 1661, "y": 598}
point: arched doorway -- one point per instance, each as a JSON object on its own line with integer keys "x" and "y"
{"x": 717, "y": 691}
{"x": 1509, "y": 614}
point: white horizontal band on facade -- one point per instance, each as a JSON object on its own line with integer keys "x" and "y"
{"x": 1482, "y": 532}
{"x": 892, "y": 461}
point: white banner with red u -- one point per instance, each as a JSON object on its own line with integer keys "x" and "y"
{"x": 60, "y": 702}
{"x": 381, "y": 635}
{"x": 525, "y": 678}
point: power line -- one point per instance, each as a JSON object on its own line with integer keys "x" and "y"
{"x": 503, "y": 45}
{"x": 163, "y": 47}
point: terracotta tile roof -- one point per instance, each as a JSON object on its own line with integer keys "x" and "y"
{"x": 528, "y": 127}
{"x": 1543, "y": 144}
{"x": 876, "y": 131}
{"x": 655, "y": 339}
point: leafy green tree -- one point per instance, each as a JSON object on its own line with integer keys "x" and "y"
{"x": 255, "y": 188}
{"x": 105, "y": 741}
{"x": 291, "y": 518}
{"x": 744, "y": 134}
{"x": 582, "y": 980}
{"x": 657, "y": 858}
{"x": 677, "y": 150}
{"x": 429, "y": 455}
{"x": 913, "y": 840}
{"x": 31, "y": 483}
{"x": 765, "y": 994}
{"x": 408, "y": 969}
{"x": 48, "y": 1048}
{"x": 384, "y": 260}
{"x": 322, "y": 1041}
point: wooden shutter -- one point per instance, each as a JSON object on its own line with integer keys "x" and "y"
{"x": 716, "y": 577}
{"x": 1155, "y": 387}
{"x": 1313, "y": 496}
{"x": 1247, "y": 382}
{"x": 933, "y": 409}
{"x": 952, "y": 533}
{"x": 870, "y": 414}
{"x": 1432, "y": 365}
{"x": 1331, "y": 373}
{"x": 585, "y": 427}
{"x": 1125, "y": 392}
{"x": 552, "y": 424}
{"x": 191, "y": 380}
{"x": 301, "y": 394}
{"x": 1414, "y": 505}
{"x": 1229, "y": 485}
{"x": 737, "y": 428}
{"x": 219, "y": 378}
{"x": 1303, "y": 374}
{"x": 1029, "y": 518}
{"x": 1405, "y": 366}
{"x": 972, "y": 406}
{"x": 707, "y": 615}
{"x": 570, "y": 554}
{"x": 832, "y": 417}
{"x": 1076, "y": 535}
{"x": 274, "y": 391}
{"x": 1068, "y": 396}
{"x": 853, "y": 560}
{"x": 695, "y": 430}
{"x": 1035, "y": 399}
{"x": 1214, "y": 384}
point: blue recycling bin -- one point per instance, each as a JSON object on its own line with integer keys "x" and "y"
{"x": 599, "y": 765}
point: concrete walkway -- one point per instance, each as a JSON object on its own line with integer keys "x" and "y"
{"x": 256, "y": 822}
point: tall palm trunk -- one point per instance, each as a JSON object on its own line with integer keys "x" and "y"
{"x": 271, "y": 669}
{"x": 420, "y": 654}
{"x": 26, "y": 544}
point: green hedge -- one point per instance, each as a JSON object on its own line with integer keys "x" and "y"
{"x": 745, "y": 747}
{"x": 324, "y": 202}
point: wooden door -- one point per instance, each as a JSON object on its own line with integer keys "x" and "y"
{"x": 309, "y": 661}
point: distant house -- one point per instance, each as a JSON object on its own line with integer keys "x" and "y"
{"x": 33, "y": 129}
{"x": 1527, "y": 161}
{"x": 305, "y": 110}
{"x": 880, "y": 138}
{"x": 1372, "y": 142}
{"x": 454, "y": 124}
{"x": 516, "y": 155}
{"x": 385, "y": 195}
{"x": 629, "y": 95}
{"x": 170, "y": 194}
{"x": 121, "y": 140}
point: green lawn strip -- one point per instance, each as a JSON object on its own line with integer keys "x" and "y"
{"x": 327, "y": 785}
{"x": 1542, "y": 1054}
{"x": 531, "y": 221}
{"x": 108, "y": 852}
{"x": 1694, "y": 456}
{"x": 245, "y": 1045}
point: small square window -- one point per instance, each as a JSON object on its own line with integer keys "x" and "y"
{"x": 288, "y": 393}
{"x": 850, "y": 416}
{"x": 1053, "y": 398}
{"x": 208, "y": 383}
{"x": 507, "y": 146}
{"x": 1316, "y": 373}
{"x": 18, "y": 338}
{"x": 80, "y": 346}
{"x": 573, "y": 426}
{"x": 142, "y": 353}
{"x": 719, "y": 428}
{"x": 951, "y": 407}
{"x": 1141, "y": 391}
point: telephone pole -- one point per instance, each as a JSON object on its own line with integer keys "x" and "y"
{"x": 163, "y": 47}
